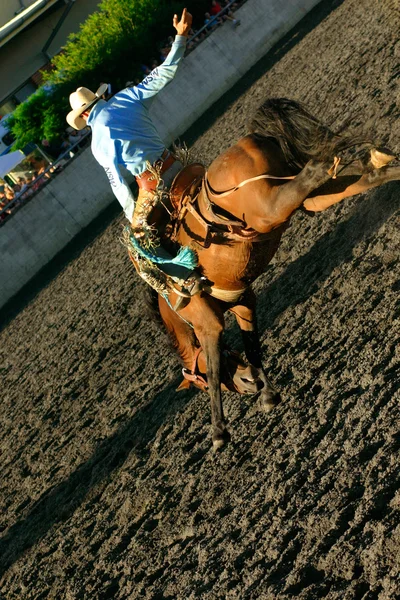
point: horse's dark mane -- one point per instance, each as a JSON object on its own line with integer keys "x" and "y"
{"x": 150, "y": 304}
{"x": 300, "y": 135}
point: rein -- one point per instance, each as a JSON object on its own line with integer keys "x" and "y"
{"x": 223, "y": 193}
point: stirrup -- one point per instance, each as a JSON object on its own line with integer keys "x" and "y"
{"x": 190, "y": 287}
{"x": 194, "y": 284}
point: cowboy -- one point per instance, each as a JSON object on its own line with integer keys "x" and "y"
{"x": 124, "y": 135}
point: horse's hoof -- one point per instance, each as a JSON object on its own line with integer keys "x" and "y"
{"x": 267, "y": 406}
{"x": 270, "y": 402}
{"x": 380, "y": 157}
{"x": 221, "y": 439}
{"x": 218, "y": 444}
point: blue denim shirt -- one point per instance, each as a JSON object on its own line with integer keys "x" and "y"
{"x": 124, "y": 134}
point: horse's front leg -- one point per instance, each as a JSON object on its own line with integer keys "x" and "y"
{"x": 208, "y": 329}
{"x": 245, "y": 314}
{"x": 212, "y": 349}
{"x": 286, "y": 198}
{"x": 347, "y": 184}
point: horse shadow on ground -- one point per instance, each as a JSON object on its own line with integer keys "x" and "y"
{"x": 60, "y": 502}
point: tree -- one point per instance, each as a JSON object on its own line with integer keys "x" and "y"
{"x": 110, "y": 47}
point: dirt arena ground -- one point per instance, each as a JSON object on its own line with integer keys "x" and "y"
{"x": 109, "y": 488}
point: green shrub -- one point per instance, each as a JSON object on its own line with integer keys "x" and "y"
{"x": 110, "y": 47}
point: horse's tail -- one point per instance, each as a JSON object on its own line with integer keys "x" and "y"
{"x": 150, "y": 305}
{"x": 300, "y": 135}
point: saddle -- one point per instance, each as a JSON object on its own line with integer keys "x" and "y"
{"x": 187, "y": 183}
{"x": 188, "y": 193}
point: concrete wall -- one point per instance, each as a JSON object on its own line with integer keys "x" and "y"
{"x": 72, "y": 200}
{"x": 39, "y": 230}
{"x": 222, "y": 59}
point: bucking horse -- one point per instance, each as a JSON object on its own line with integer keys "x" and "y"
{"x": 233, "y": 216}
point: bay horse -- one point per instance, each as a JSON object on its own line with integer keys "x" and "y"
{"x": 288, "y": 161}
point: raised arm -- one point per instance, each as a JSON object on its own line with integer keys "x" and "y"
{"x": 163, "y": 74}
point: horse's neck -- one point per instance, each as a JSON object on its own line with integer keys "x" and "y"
{"x": 250, "y": 158}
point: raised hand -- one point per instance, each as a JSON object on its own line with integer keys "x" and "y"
{"x": 184, "y": 25}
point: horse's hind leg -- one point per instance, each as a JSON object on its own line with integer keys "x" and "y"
{"x": 208, "y": 329}
{"x": 245, "y": 314}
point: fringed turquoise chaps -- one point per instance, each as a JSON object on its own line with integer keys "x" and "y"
{"x": 186, "y": 257}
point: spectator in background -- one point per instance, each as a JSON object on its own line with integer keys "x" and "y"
{"x": 164, "y": 53}
{"x": 23, "y": 182}
{"x": 38, "y": 179}
{"x": 226, "y": 4}
{"x": 74, "y": 135}
{"x": 194, "y": 39}
{"x": 164, "y": 50}
{"x": 3, "y": 204}
{"x": 27, "y": 191}
{"x": 53, "y": 149}
{"x": 216, "y": 8}
{"x": 145, "y": 70}
{"x": 37, "y": 164}
{"x": 211, "y": 22}
{"x": 8, "y": 193}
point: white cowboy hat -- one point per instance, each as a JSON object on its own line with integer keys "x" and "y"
{"x": 82, "y": 100}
